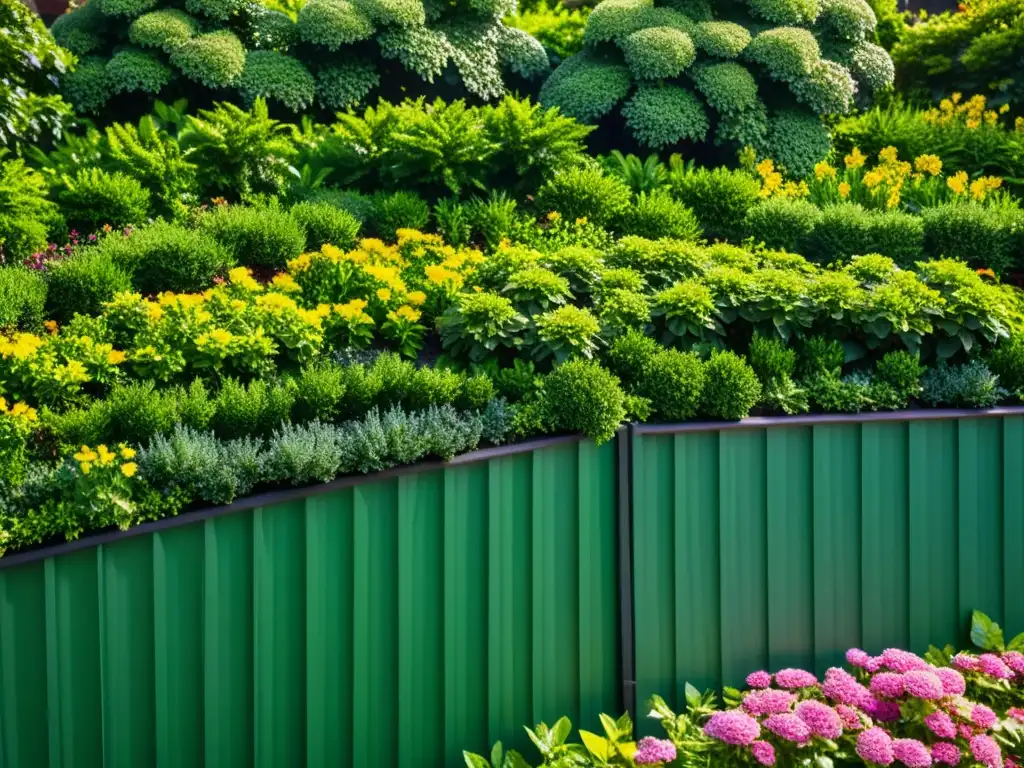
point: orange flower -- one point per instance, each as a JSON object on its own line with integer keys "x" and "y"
{"x": 985, "y": 272}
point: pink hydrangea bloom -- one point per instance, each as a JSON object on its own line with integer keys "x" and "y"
{"x": 888, "y": 684}
{"x": 851, "y": 720}
{"x": 821, "y": 718}
{"x": 902, "y": 661}
{"x": 884, "y": 711}
{"x": 923, "y": 684}
{"x": 795, "y": 678}
{"x": 651, "y": 751}
{"x": 912, "y": 753}
{"x": 993, "y": 666}
{"x": 986, "y": 751}
{"x": 946, "y": 753}
{"x": 941, "y": 725}
{"x": 1015, "y": 661}
{"x": 874, "y": 664}
{"x": 1016, "y": 713}
{"x": 763, "y": 752}
{"x": 965, "y": 731}
{"x": 855, "y": 657}
{"x": 953, "y": 683}
{"x": 789, "y": 727}
{"x": 732, "y": 727}
{"x": 768, "y": 702}
{"x": 760, "y": 679}
{"x": 875, "y": 746}
{"x": 983, "y": 717}
{"x": 843, "y": 688}
{"x": 966, "y": 662}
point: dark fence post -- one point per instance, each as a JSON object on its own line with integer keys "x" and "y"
{"x": 626, "y": 624}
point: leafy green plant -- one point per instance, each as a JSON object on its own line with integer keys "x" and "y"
{"x": 26, "y": 215}
{"x": 255, "y": 236}
{"x": 641, "y": 175}
{"x": 585, "y": 193}
{"x": 22, "y": 299}
{"x": 400, "y": 210}
{"x": 83, "y": 282}
{"x": 968, "y": 385}
{"x": 581, "y": 396}
{"x": 720, "y": 198}
{"x": 325, "y": 224}
{"x": 94, "y": 198}
{"x": 657, "y": 214}
{"x": 782, "y": 222}
{"x": 673, "y": 381}
{"x": 565, "y": 332}
{"x": 731, "y": 387}
{"x": 479, "y": 324}
{"x": 774, "y": 365}
{"x": 535, "y": 289}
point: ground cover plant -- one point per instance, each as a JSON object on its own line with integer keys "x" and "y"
{"x": 896, "y": 708}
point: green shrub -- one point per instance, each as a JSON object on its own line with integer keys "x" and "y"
{"x": 657, "y": 214}
{"x": 585, "y": 193}
{"x": 477, "y": 393}
{"x": 620, "y": 310}
{"x": 198, "y": 465}
{"x": 333, "y": 23}
{"x": 535, "y": 289}
{"x": 787, "y": 53}
{"x": 453, "y": 222}
{"x": 818, "y": 356}
{"x": 215, "y": 59}
{"x": 674, "y": 382}
{"x": 130, "y": 70}
{"x": 659, "y": 262}
{"x": 842, "y": 231}
{"x": 559, "y": 29}
{"x": 432, "y": 386}
{"x": 398, "y": 210}
{"x": 319, "y": 390}
{"x": 137, "y": 411}
{"x": 970, "y": 385}
{"x": 565, "y": 332}
{"x": 797, "y": 140}
{"x": 299, "y": 454}
{"x": 630, "y": 354}
{"x": 719, "y": 197}
{"x": 728, "y": 87}
{"x": 774, "y": 365}
{"x": 731, "y": 387}
{"x": 898, "y": 235}
{"x": 94, "y": 198}
{"x": 195, "y": 407}
{"x": 586, "y": 87}
{"x": 979, "y": 235}
{"x": 86, "y": 86}
{"x": 657, "y": 52}
{"x": 166, "y": 29}
{"x": 168, "y": 257}
{"x": 255, "y": 236}
{"x": 22, "y": 300}
{"x": 325, "y": 223}
{"x": 581, "y": 396}
{"x": 497, "y": 419}
{"x": 1007, "y": 362}
{"x": 253, "y": 410}
{"x": 832, "y": 394}
{"x": 661, "y": 115}
{"x": 25, "y": 212}
{"x": 82, "y": 283}
{"x": 582, "y": 267}
{"x": 277, "y": 78}
{"x": 394, "y": 376}
{"x": 784, "y": 223}
{"x": 896, "y": 380}
{"x": 721, "y": 39}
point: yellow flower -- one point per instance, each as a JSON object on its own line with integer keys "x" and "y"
{"x": 581, "y": 221}
{"x": 973, "y": 123}
{"x": 86, "y": 454}
{"x": 285, "y": 282}
{"x": 824, "y": 170}
{"x": 86, "y": 467}
{"x": 873, "y": 178}
{"x": 554, "y": 216}
{"x": 127, "y": 453}
{"x": 1004, "y": 109}
{"x": 985, "y": 272}
{"x": 416, "y": 297}
{"x": 76, "y": 371}
{"x": 384, "y": 294}
{"x": 765, "y": 168}
{"x": 408, "y": 313}
{"x": 129, "y": 469}
{"x": 844, "y": 190}
{"x": 855, "y": 159}
{"x": 105, "y": 454}
{"x": 889, "y": 155}
{"x": 107, "y": 229}
{"x": 115, "y": 357}
{"x": 50, "y": 326}
{"x": 957, "y": 183}
{"x": 894, "y": 198}
{"x": 928, "y": 164}
{"x": 956, "y": 97}
{"x": 20, "y": 409}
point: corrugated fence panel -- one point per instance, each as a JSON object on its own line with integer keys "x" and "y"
{"x": 394, "y": 622}
{"x": 787, "y": 545}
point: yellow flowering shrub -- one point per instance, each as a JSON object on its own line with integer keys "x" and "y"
{"x": 54, "y": 369}
{"x": 17, "y": 421}
{"x": 103, "y": 487}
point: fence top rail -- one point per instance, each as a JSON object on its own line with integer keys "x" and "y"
{"x": 762, "y": 422}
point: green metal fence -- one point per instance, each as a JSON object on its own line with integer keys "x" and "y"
{"x": 393, "y": 622}
{"x": 398, "y": 619}
{"x": 776, "y": 546}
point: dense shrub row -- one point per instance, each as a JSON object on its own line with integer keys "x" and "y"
{"x": 897, "y": 708}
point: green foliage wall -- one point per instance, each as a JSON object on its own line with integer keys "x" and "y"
{"x": 762, "y": 73}
{"x": 333, "y": 54}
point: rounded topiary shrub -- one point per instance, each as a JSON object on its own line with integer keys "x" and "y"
{"x": 22, "y": 299}
{"x": 980, "y": 235}
{"x": 844, "y": 230}
{"x": 782, "y": 223}
{"x": 277, "y": 78}
{"x": 82, "y": 283}
{"x": 94, "y": 198}
{"x": 581, "y": 396}
{"x": 132, "y": 70}
{"x": 167, "y": 29}
{"x": 674, "y": 382}
{"x": 898, "y": 235}
{"x": 719, "y": 197}
{"x": 168, "y": 257}
{"x": 657, "y": 214}
{"x": 585, "y": 193}
{"x": 325, "y": 223}
{"x": 731, "y": 388}
{"x": 255, "y": 236}
{"x": 215, "y": 59}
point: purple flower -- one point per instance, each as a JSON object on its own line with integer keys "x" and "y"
{"x": 768, "y": 702}
{"x": 851, "y": 720}
{"x": 763, "y": 752}
{"x": 760, "y": 679}
{"x": 902, "y": 661}
{"x": 1016, "y": 713}
{"x": 855, "y": 657}
{"x": 651, "y": 751}
{"x": 912, "y": 753}
{"x": 946, "y": 753}
{"x": 888, "y": 684}
{"x": 789, "y": 727}
{"x": 843, "y": 688}
{"x": 883, "y": 711}
{"x": 993, "y": 666}
{"x": 965, "y": 731}
{"x": 732, "y": 727}
{"x": 875, "y": 746}
{"x": 821, "y": 718}
{"x": 923, "y": 684}
{"x": 92, "y": 238}
{"x": 941, "y": 725}
{"x": 874, "y": 664}
{"x": 953, "y": 683}
{"x": 986, "y": 751}
{"x": 1015, "y": 661}
{"x": 966, "y": 662}
{"x": 795, "y": 678}
{"x": 983, "y": 717}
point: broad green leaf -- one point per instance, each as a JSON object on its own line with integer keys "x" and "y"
{"x": 627, "y": 749}
{"x": 985, "y": 633}
{"x": 611, "y": 730}
{"x": 1017, "y": 644}
{"x": 948, "y": 347}
{"x": 598, "y": 746}
{"x": 625, "y": 724}
{"x": 537, "y": 740}
{"x": 967, "y": 339}
{"x": 692, "y": 695}
{"x": 560, "y": 731}
{"x": 496, "y": 755}
{"x": 474, "y": 761}
{"x": 514, "y": 760}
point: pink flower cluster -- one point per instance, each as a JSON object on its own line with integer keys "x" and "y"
{"x": 651, "y": 751}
